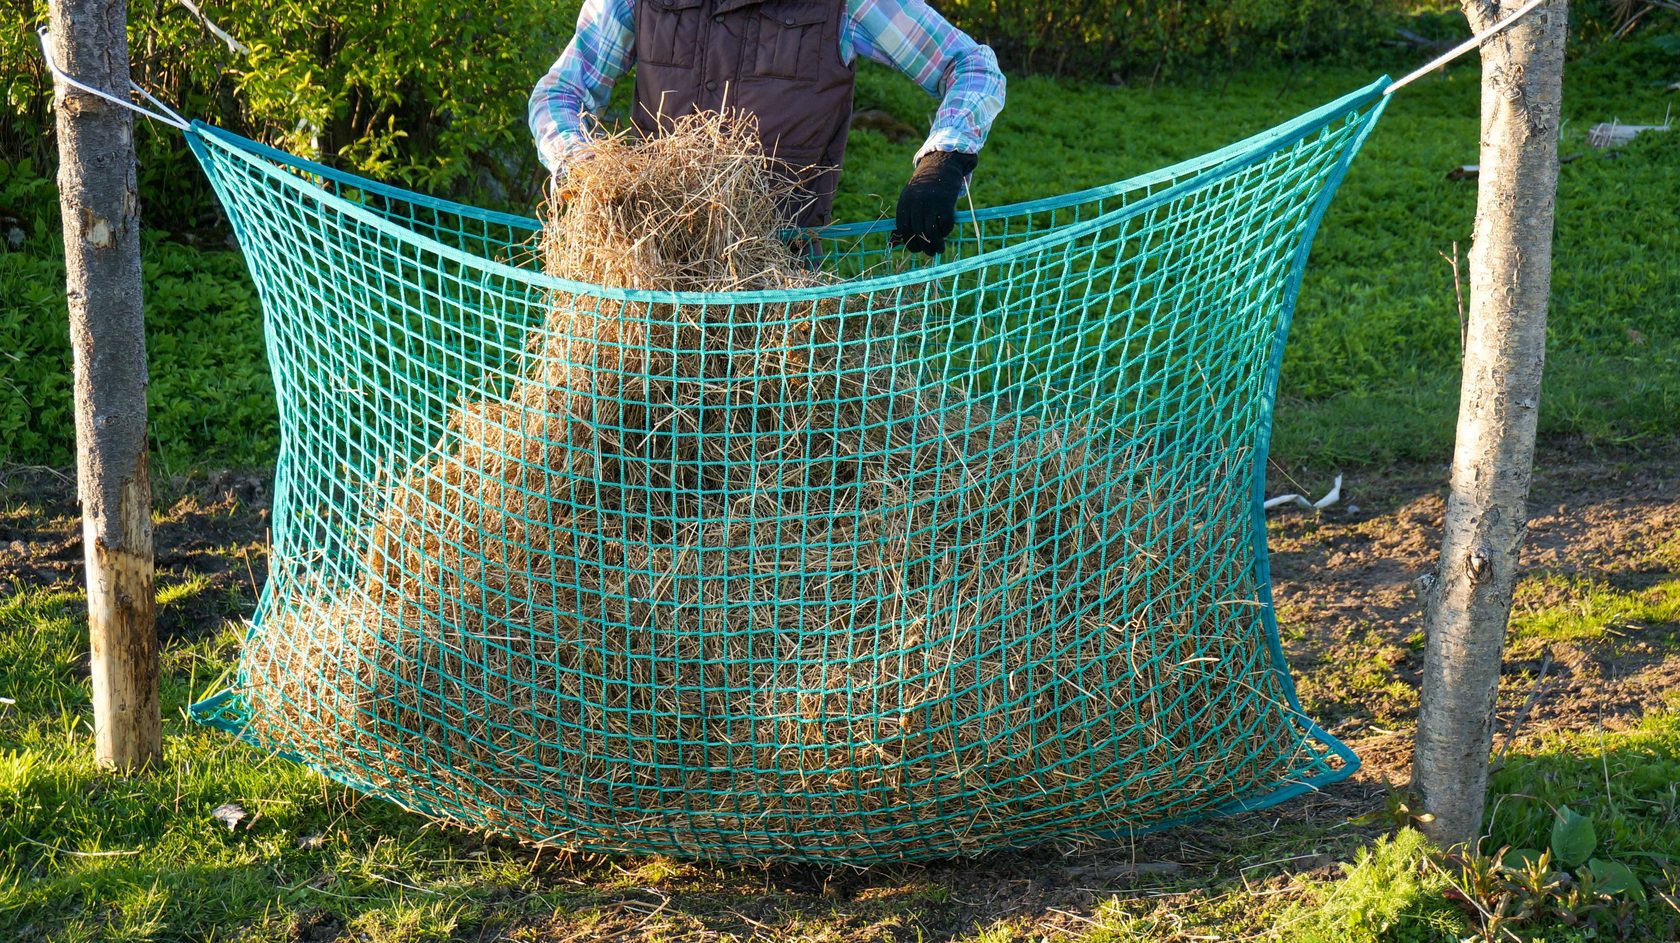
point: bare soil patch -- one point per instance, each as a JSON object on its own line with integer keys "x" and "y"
{"x": 1353, "y": 630}
{"x": 210, "y": 530}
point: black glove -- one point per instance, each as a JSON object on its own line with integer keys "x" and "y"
{"x": 927, "y": 209}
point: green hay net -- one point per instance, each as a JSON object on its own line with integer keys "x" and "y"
{"x": 939, "y": 559}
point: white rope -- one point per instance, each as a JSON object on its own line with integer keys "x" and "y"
{"x": 1463, "y": 47}
{"x": 233, "y": 44}
{"x": 165, "y": 114}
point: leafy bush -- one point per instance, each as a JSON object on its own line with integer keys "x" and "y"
{"x": 210, "y": 395}
{"x": 210, "y": 386}
{"x": 430, "y": 93}
{"x": 1109, "y": 39}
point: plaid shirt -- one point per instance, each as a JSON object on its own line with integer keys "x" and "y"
{"x": 905, "y": 34}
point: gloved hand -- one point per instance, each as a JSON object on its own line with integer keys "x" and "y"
{"x": 927, "y": 208}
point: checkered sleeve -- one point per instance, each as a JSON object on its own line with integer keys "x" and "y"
{"x": 911, "y": 37}
{"x": 581, "y": 79}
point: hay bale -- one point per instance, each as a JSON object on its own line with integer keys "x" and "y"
{"x": 735, "y": 581}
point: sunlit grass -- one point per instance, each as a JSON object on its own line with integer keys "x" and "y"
{"x": 1565, "y": 609}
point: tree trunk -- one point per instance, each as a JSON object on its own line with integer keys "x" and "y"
{"x": 1468, "y": 601}
{"x": 96, "y": 189}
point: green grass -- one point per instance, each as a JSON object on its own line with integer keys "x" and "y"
{"x": 1627, "y": 785}
{"x": 1389, "y": 892}
{"x": 1591, "y": 609}
{"x": 1372, "y": 371}
{"x": 1628, "y": 782}
{"x": 1371, "y": 375}
{"x": 88, "y": 856}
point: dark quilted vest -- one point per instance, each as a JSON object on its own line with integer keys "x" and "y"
{"x": 778, "y": 59}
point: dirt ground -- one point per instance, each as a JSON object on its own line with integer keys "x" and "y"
{"x": 1346, "y": 604}
{"x": 1352, "y": 632}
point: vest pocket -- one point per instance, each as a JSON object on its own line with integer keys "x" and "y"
{"x": 669, "y": 32}
{"x": 790, "y": 37}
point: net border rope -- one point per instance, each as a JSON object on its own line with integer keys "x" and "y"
{"x": 1196, "y": 172}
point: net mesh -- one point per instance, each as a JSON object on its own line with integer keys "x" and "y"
{"x": 936, "y": 559}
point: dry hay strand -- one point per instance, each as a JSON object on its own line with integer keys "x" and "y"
{"x": 735, "y": 581}
{"x": 697, "y": 209}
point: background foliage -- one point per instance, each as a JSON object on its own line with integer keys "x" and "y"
{"x": 431, "y": 93}
{"x": 1132, "y": 39}
{"x": 1371, "y": 375}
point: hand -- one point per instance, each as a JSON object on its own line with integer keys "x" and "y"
{"x": 561, "y": 160}
{"x": 927, "y": 208}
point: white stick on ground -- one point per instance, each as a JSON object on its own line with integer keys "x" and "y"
{"x": 1301, "y": 501}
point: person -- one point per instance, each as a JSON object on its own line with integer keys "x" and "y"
{"x": 792, "y": 64}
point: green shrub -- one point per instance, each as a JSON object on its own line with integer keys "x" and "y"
{"x": 1110, "y": 39}
{"x": 429, "y": 93}
{"x": 210, "y": 395}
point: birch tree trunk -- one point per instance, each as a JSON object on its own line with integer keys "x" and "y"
{"x": 1468, "y": 602}
{"x": 96, "y": 189}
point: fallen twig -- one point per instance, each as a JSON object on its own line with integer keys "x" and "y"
{"x": 1522, "y": 712}
{"x": 80, "y": 854}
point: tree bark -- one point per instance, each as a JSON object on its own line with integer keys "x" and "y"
{"x": 96, "y": 185}
{"x": 1468, "y": 602}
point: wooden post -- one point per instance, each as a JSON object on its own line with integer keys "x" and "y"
{"x": 1467, "y": 603}
{"x": 96, "y": 187}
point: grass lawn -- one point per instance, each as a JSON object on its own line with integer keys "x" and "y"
{"x": 1371, "y": 374}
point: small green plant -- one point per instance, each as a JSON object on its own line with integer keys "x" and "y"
{"x": 1399, "y": 810}
{"x": 1519, "y": 889}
